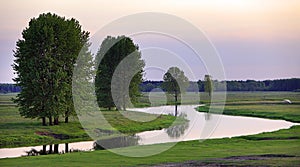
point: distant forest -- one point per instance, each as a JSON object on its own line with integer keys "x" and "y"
{"x": 248, "y": 85}
{"x": 9, "y": 88}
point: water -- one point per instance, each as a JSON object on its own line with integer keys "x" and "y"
{"x": 200, "y": 126}
{"x": 209, "y": 126}
{"x": 22, "y": 151}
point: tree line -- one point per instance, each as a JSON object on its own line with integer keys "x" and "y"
{"x": 9, "y": 88}
{"x": 292, "y": 84}
{"x": 248, "y": 85}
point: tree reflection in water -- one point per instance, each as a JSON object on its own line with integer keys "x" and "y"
{"x": 207, "y": 116}
{"x": 53, "y": 149}
{"x": 177, "y": 130}
{"x": 116, "y": 142}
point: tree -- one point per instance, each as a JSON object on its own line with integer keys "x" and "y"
{"x": 208, "y": 84}
{"x": 175, "y": 83}
{"x": 119, "y": 59}
{"x": 44, "y": 62}
{"x": 82, "y": 81}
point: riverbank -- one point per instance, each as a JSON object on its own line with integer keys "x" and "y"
{"x": 258, "y": 150}
{"x": 280, "y": 148}
{"x": 17, "y": 131}
{"x": 271, "y": 110}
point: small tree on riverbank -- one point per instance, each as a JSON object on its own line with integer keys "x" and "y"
{"x": 175, "y": 83}
{"x": 208, "y": 85}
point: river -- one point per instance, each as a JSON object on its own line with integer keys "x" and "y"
{"x": 200, "y": 126}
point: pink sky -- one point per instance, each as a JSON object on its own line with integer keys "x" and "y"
{"x": 256, "y": 39}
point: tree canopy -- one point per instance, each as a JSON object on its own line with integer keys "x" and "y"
{"x": 208, "y": 84}
{"x": 44, "y": 62}
{"x": 119, "y": 72}
{"x": 175, "y": 83}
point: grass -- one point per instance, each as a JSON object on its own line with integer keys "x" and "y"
{"x": 289, "y": 112}
{"x": 290, "y": 134}
{"x": 280, "y": 148}
{"x": 18, "y": 131}
{"x": 160, "y": 98}
{"x": 273, "y": 152}
{"x": 259, "y": 96}
{"x": 6, "y": 99}
{"x": 258, "y": 104}
{"x": 146, "y": 122}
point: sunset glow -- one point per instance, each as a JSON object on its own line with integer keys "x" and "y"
{"x": 263, "y": 30}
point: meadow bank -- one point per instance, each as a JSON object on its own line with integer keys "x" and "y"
{"x": 279, "y": 148}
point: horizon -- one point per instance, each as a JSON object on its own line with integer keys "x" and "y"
{"x": 256, "y": 40}
{"x": 201, "y": 80}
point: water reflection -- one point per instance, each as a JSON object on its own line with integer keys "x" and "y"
{"x": 52, "y": 149}
{"x": 207, "y": 116}
{"x": 177, "y": 130}
{"x": 116, "y": 142}
{"x": 229, "y": 126}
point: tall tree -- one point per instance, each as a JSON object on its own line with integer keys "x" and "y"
{"x": 175, "y": 83}
{"x": 111, "y": 54}
{"x": 44, "y": 64}
{"x": 208, "y": 84}
{"x": 82, "y": 81}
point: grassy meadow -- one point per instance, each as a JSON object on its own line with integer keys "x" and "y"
{"x": 280, "y": 148}
{"x": 18, "y": 131}
{"x": 160, "y": 98}
{"x": 238, "y": 151}
{"x": 259, "y": 104}
{"x": 289, "y": 112}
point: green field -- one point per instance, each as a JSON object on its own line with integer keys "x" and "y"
{"x": 234, "y": 151}
{"x": 201, "y": 97}
{"x": 280, "y": 148}
{"x": 289, "y": 112}
{"x": 259, "y": 104}
{"x": 18, "y": 131}
{"x": 259, "y": 96}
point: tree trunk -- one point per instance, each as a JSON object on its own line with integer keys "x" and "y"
{"x": 50, "y": 148}
{"x": 56, "y": 120}
{"x": 66, "y": 119}
{"x": 66, "y": 147}
{"x": 44, "y": 121}
{"x": 44, "y": 150}
{"x": 56, "y": 148}
{"x": 207, "y": 116}
{"x": 175, "y": 104}
{"x": 50, "y": 121}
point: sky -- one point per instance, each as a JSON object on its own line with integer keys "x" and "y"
{"x": 255, "y": 39}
